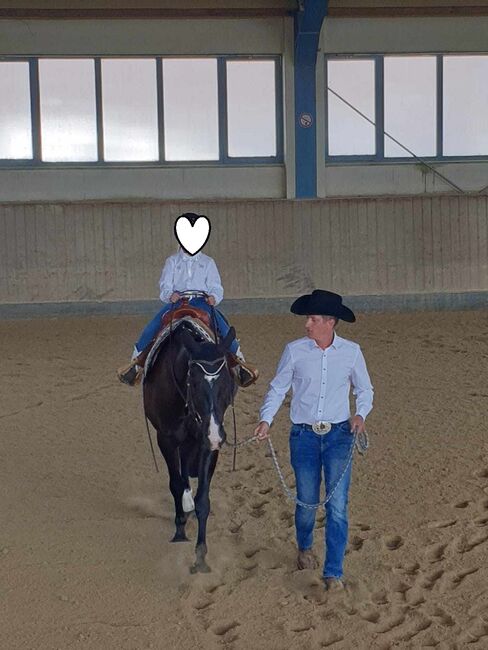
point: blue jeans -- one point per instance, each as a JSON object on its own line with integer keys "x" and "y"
{"x": 152, "y": 328}
{"x": 311, "y": 453}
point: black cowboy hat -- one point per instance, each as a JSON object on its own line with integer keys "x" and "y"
{"x": 323, "y": 303}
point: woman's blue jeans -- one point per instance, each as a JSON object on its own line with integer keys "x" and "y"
{"x": 152, "y": 328}
{"x": 311, "y": 455}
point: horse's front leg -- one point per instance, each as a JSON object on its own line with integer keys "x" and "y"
{"x": 177, "y": 486}
{"x": 208, "y": 461}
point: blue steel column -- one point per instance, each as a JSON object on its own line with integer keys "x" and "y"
{"x": 308, "y": 23}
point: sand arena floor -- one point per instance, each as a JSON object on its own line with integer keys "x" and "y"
{"x": 85, "y": 558}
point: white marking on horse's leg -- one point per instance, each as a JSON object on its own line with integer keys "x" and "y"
{"x": 187, "y": 501}
{"x": 214, "y": 433}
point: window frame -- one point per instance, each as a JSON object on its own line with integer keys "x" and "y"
{"x": 379, "y": 157}
{"x": 223, "y": 160}
{"x": 378, "y": 109}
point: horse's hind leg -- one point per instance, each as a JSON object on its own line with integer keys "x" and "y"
{"x": 202, "y": 509}
{"x": 177, "y": 486}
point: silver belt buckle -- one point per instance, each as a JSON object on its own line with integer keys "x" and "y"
{"x": 321, "y": 427}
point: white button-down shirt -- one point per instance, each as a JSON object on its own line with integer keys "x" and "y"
{"x": 320, "y": 381}
{"x": 183, "y": 272}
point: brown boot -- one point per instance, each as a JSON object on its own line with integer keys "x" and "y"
{"x": 244, "y": 373}
{"x": 333, "y": 584}
{"x": 130, "y": 375}
{"x": 306, "y": 560}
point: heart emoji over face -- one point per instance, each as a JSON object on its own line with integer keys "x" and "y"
{"x": 192, "y": 235}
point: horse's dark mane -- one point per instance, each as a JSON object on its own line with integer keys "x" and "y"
{"x": 206, "y": 351}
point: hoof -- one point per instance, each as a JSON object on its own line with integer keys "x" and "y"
{"x": 200, "y": 567}
{"x": 180, "y": 538}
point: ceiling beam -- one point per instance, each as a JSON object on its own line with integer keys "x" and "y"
{"x": 407, "y": 12}
{"x": 54, "y": 14}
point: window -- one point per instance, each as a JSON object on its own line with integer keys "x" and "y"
{"x": 348, "y": 132}
{"x": 15, "y": 111}
{"x": 191, "y": 116}
{"x": 130, "y": 109}
{"x": 410, "y": 105}
{"x": 136, "y": 110}
{"x": 465, "y": 106}
{"x": 251, "y": 108}
{"x": 435, "y": 106}
{"x": 68, "y": 110}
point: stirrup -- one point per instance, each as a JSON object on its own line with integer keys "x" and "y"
{"x": 130, "y": 375}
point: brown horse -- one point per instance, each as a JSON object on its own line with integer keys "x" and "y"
{"x": 186, "y": 393}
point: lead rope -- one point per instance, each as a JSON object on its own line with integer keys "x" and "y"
{"x": 293, "y": 497}
{"x": 360, "y": 443}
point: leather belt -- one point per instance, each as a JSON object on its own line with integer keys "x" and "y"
{"x": 321, "y": 427}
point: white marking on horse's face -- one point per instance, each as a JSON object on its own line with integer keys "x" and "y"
{"x": 214, "y": 433}
{"x": 210, "y": 379}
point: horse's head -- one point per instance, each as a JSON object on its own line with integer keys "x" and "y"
{"x": 209, "y": 386}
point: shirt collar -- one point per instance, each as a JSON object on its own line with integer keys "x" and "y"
{"x": 336, "y": 343}
{"x": 187, "y": 258}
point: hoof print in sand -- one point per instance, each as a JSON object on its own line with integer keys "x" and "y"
{"x": 408, "y": 569}
{"x": 443, "y": 617}
{"x": 457, "y": 577}
{"x": 482, "y": 473}
{"x": 442, "y": 524}
{"x": 224, "y": 628}
{"x": 435, "y": 553}
{"x": 356, "y": 543}
{"x": 380, "y": 597}
{"x": 428, "y": 581}
{"x": 202, "y": 603}
{"x": 369, "y": 614}
{"x": 476, "y": 540}
{"x": 390, "y": 623}
{"x": 415, "y": 599}
{"x": 393, "y": 542}
{"x": 480, "y": 521}
{"x": 331, "y": 640}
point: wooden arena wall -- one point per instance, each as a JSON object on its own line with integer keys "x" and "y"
{"x": 109, "y": 252}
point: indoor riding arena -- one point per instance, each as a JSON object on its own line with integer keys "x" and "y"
{"x": 337, "y": 145}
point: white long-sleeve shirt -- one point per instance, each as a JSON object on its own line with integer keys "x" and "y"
{"x": 320, "y": 381}
{"x": 183, "y": 272}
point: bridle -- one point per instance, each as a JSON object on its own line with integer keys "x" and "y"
{"x": 201, "y": 363}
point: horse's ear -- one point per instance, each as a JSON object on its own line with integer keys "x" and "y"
{"x": 229, "y": 337}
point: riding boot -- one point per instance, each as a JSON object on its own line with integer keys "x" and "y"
{"x": 245, "y": 374}
{"x": 132, "y": 374}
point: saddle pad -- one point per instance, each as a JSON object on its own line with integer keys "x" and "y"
{"x": 196, "y": 324}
